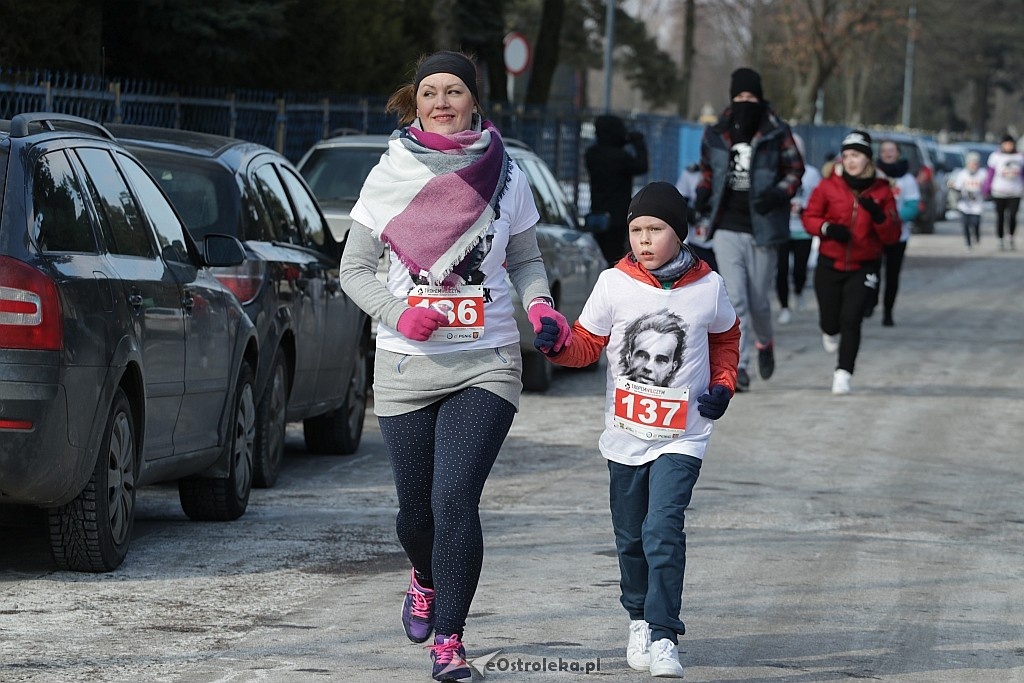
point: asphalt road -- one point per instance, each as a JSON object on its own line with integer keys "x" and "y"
{"x": 874, "y": 536}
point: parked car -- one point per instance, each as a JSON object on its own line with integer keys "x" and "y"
{"x": 315, "y": 340}
{"x": 336, "y": 168}
{"x": 914, "y": 149}
{"x": 123, "y": 360}
{"x": 982, "y": 148}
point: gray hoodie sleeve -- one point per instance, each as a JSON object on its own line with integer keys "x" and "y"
{"x": 358, "y": 275}
{"x": 526, "y": 266}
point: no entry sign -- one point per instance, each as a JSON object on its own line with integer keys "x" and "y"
{"x": 517, "y": 53}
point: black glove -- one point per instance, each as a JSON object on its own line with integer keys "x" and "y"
{"x": 770, "y": 199}
{"x": 702, "y": 200}
{"x": 547, "y": 337}
{"x": 869, "y": 205}
{"x": 712, "y": 405}
{"x": 834, "y": 231}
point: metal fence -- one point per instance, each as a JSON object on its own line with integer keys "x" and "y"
{"x": 291, "y": 123}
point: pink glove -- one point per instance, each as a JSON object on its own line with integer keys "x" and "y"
{"x": 418, "y": 322}
{"x": 542, "y": 310}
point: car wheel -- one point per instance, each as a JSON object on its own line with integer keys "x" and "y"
{"x": 270, "y": 425}
{"x": 227, "y": 498}
{"x": 538, "y": 372}
{"x": 340, "y": 431}
{"x": 91, "y": 533}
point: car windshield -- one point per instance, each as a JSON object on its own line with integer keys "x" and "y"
{"x": 337, "y": 173}
{"x": 203, "y": 192}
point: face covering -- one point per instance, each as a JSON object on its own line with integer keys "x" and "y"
{"x": 746, "y": 117}
{"x": 894, "y": 170}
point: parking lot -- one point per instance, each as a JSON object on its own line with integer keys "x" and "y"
{"x": 873, "y": 536}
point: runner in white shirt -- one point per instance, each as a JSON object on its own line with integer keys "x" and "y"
{"x": 969, "y": 182}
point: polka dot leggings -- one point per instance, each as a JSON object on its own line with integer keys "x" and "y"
{"x": 441, "y": 456}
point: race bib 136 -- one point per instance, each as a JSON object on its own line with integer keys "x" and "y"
{"x": 464, "y": 308}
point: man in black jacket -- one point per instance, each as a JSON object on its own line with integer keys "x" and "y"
{"x": 611, "y": 169}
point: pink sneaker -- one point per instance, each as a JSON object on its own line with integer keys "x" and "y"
{"x": 449, "y": 657}
{"x": 418, "y": 611}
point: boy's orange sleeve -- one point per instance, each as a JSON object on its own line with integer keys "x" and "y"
{"x": 586, "y": 348}
{"x": 724, "y": 353}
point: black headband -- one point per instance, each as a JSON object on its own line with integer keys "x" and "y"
{"x": 448, "y": 63}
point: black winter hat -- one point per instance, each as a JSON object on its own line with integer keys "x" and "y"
{"x": 745, "y": 80}
{"x": 859, "y": 140}
{"x": 660, "y": 200}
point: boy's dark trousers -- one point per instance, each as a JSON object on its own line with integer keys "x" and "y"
{"x": 648, "y": 506}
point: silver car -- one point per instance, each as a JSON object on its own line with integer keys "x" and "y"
{"x": 335, "y": 169}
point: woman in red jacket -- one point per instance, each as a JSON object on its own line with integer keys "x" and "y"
{"x": 854, "y": 214}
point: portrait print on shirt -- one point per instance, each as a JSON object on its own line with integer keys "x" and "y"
{"x": 652, "y": 348}
{"x": 739, "y": 167}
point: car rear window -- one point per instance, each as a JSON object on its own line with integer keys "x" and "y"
{"x": 204, "y": 193}
{"x": 337, "y": 173}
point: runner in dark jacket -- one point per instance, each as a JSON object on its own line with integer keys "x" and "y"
{"x": 611, "y": 168}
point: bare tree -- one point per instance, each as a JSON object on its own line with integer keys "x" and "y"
{"x": 817, "y": 35}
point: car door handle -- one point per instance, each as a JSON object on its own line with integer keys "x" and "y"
{"x": 188, "y": 302}
{"x": 135, "y": 301}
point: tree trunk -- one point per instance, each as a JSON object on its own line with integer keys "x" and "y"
{"x": 979, "y": 107}
{"x": 446, "y": 34}
{"x": 545, "y": 53}
{"x": 689, "y": 50}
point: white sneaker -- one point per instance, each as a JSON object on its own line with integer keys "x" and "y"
{"x": 841, "y": 382}
{"x": 665, "y": 659}
{"x": 830, "y": 342}
{"x": 785, "y": 316}
{"x": 638, "y": 650}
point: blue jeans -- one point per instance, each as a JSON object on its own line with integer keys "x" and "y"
{"x": 648, "y": 505}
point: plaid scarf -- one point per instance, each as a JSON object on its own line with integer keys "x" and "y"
{"x": 432, "y": 197}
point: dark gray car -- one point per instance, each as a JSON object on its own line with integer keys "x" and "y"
{"x": 315, "y": 340}
{"x": 123, "y": 360}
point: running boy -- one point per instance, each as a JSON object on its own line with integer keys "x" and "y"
{"x": 672, "y": 340}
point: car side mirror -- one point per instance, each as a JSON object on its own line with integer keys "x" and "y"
{"x": 222, "y": 251}
{"x": 597, "y": 222}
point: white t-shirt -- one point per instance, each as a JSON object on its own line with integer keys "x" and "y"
{"x": 518, "y": 213}
{"x": 1007, "y": 180}
{"x": 970, "y": 186}
{"x": 905, "y": 189}
{"x": 699, "y": 308}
